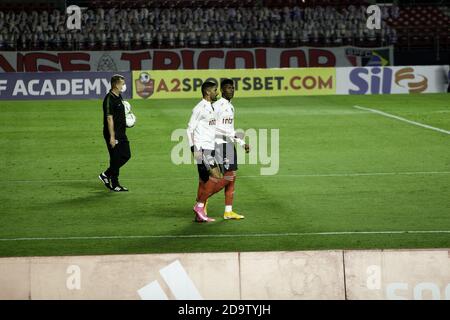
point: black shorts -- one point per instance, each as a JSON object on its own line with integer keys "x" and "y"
{"x": 226, "y": 156}
{"x": 202, "y": 168}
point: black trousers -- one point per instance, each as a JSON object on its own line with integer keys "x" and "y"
{"x": 118, "y": 156}
{"x": 202, "y": 168}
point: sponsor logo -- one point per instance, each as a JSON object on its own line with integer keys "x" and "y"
{"x": 415, "y": 83}
{"x": 381, "y": 80}
{"x": 57, "y": 85}
{"x": 173, "y": 84}
{"x": 106, "y": 63}
{"x": 145, "y": 85}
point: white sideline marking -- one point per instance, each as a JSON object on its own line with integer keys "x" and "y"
{"x": 292, "y": 234}
{"x": 353, "y": 174}
{"x": 403, "y": 119}
{"x": 258, "y": 176}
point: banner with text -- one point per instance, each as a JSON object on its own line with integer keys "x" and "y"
{"x": 58, "y": 85}
{"x": 248, "y": 83}
{"x": 172, "y": 84}
{"x": 190, "y": 58}
{"x": 391, "y": 80}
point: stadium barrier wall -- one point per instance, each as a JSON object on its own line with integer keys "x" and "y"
{"x": 335, "y": 274}
{"x": 172, "y": 84}
{"x": 194, "y": 58}
{"x": 398, "y": 274}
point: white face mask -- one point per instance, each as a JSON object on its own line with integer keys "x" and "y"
{"x": 124, "y": 88}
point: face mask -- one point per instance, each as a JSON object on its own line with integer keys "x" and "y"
{"x": 124, "y": 88}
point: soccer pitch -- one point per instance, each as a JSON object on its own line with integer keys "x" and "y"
{"x": 348, "y": 178}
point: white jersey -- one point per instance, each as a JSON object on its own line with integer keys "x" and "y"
{"x": 201, "y": 129}
{"x": 225, "y": 122}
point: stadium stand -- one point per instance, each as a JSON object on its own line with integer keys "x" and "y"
{"x": 112, "y": 24}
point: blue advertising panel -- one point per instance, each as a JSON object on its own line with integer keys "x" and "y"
{"x": 59, "y": 85}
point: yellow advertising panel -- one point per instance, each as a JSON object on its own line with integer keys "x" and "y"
{"x": 173, "y": 84}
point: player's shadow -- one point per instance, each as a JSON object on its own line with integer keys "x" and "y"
{"x": 92, "y": 197}
{"x": 70, "y": 195}
{"x": 90, "y": 186}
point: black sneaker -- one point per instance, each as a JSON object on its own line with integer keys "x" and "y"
{"x": 119, "y": 188}
{"x": 104, "y": 178}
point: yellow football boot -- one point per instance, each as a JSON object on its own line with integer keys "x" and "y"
{"x": 232, "y": 215}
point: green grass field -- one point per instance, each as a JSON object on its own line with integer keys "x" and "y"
{"x": 343, "y": 172}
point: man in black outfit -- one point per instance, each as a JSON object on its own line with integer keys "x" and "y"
{"x": 114, "y": 127}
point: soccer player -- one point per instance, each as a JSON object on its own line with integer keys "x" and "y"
{"x": 114, "y": 132}
{"x": 201, "y": 133}
{"x": 225, "y": 150}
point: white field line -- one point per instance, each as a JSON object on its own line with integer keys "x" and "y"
{"x": 306, "y": 175}
{"x": 254, "y": 235}
{"x": 402, "y": 119}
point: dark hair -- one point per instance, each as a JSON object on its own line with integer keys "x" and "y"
{"x": 116, "y": 78}
{"x": 225, "y": 82}
{"x": 206, "y": 86}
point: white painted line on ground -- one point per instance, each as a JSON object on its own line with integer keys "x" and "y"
{"x": 403, "y": 119}
{"x": 353, "y": 174}
{"x": 306, "y": 175}
{"x": 250, "y": 235}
